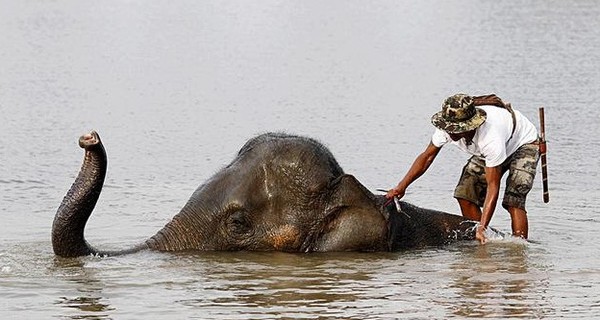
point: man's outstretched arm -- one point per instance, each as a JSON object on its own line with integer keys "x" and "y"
{"x": 419, "y": 166}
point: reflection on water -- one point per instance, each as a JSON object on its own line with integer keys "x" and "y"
{"x": 502, "y": 279}
{"x": 223, "y": 284}
{"x": 89, "y": 302}
{"x": 86, "y": 304}
{"x": 280, "y": 284}
{"x": 497, "y": 280}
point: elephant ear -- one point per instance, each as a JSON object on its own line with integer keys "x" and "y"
{"x": 346, "y": 191}
{"x": 353, "y": 221}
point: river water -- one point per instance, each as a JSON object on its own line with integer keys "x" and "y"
{"x": 176, "y": 87}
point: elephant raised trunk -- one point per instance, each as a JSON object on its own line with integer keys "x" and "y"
{"x": 79, "y": 202}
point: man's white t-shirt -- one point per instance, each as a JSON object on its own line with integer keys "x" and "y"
{"x": 492, "y": 140}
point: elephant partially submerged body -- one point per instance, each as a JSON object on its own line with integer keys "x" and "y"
{"x": 281, "y": 193}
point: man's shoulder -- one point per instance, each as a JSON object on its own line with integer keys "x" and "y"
{"x": 439, "y": 138}
{"x": 493, "y": 110}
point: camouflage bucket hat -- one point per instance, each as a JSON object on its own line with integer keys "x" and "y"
{"x": 458, "y": 115}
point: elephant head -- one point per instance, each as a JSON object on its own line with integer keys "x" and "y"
{"x": 281, "y": 193}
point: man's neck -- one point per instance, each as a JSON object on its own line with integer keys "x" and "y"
{"x": 469, "y": 137}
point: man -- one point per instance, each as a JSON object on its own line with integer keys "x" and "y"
{"x": 499, "y": 139}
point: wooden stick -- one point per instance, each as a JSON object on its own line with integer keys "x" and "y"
{"x": 543, "y": 156}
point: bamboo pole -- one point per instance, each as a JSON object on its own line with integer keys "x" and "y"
{"x": 543, "y": 155}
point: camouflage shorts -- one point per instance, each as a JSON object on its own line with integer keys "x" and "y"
{"x": 521, "y": 166}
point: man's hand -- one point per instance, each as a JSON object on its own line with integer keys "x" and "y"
{"x": 395, "y": 192}
{"x": 480, "y": 234}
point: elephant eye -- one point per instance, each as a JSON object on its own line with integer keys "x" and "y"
{"x": 239, "y": 222}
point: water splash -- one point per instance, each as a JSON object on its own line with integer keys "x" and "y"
{"x": 494, "y": 235}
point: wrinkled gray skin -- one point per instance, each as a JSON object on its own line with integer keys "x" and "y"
{"x": 281, "y": 193}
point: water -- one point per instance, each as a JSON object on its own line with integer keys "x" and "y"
{"x": 176, "y": 87}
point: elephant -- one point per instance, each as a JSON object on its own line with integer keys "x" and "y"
{"x": 282, "y": 192}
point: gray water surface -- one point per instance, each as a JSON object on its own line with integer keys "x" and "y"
{"x": 175, "y": 88}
